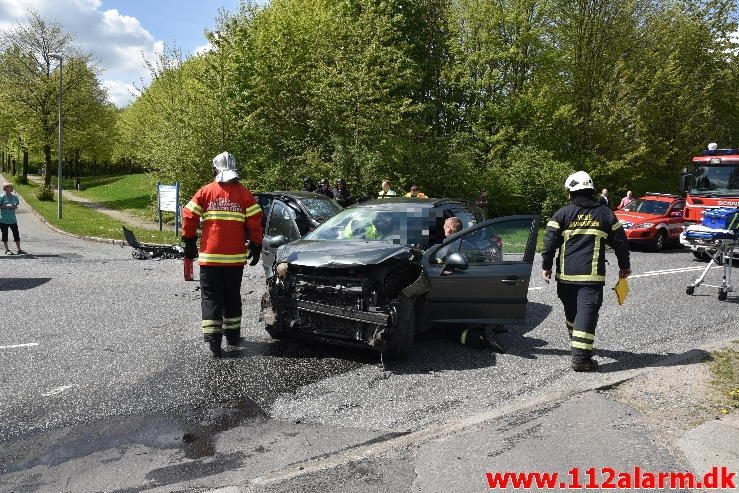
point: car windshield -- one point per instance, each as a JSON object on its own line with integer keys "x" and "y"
{"x": 406, "y": 227}
{"x": 648, "y": 207}
{"x": 716, "y": 180}
{"x": 320, "y": 209}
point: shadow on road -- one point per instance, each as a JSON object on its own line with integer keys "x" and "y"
{"x": 22, "y": 283}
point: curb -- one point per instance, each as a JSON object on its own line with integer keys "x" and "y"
{"x": 456, "y": 426}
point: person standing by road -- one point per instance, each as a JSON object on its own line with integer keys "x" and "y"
{"x": 603, "y": 198}
{"x": 324, "y": 189}
{"x": 308, "y": 185}
{"x": 580, "y": 231}
{"x": 416, "y": 193}
{"x": 341, "y": 193}
{"x": 8, "y": 204}
{"x": 230, "y": 217}
{"x": 626, "y": 200}
{"x": 386, "y": 190}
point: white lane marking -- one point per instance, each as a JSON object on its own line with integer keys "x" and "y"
{"x": 30, "y": 344}
{"x": 676, "y": 269}
{"x": 535, "y": 289}
{"x": 58, "y": 390}
{"x": 670, "y": 272}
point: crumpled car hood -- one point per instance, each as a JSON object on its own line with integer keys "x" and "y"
{"x": 338, "y": 253}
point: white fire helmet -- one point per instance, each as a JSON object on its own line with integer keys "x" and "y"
{"x": 579, "y": 180}
{"x": 224, "y": 165}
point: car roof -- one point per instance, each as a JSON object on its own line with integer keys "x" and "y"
{"x": 400, "y": 202}
{"x": 295, "y": 194}
{"x": 660, "y": 197}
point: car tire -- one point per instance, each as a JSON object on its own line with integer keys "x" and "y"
{"x": 700, "y": 255}
{"x": 275, "y": 328}
{"x": 659, "y": 242}
{"x": 402, "y": 331}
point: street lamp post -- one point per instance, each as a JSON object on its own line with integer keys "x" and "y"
{"x": 59, "y": 153}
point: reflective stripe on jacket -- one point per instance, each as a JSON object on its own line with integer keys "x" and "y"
{"x": 230, "y": 217}
{"x": 580, "y": 231}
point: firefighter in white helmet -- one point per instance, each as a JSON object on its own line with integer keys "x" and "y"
{"x": 231, "y": 219}
{"x": 580, "y": 231}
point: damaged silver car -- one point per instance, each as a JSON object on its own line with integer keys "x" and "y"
{"x": 377, "y": 274}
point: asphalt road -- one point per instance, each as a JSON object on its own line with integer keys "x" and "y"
{"x": 105, "y": 383}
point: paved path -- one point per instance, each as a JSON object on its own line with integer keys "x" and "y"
{"x": 118, "y": 215}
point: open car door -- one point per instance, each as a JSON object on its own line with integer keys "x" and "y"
{"x": 281, "y": 221}
{"x": 493, "y": 288}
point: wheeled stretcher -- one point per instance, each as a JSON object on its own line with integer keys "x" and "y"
{"x": 721, "y": 245}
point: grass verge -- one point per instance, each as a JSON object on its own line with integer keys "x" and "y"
{"x": 84, "y": 221}
{"x": 725, "y": 370}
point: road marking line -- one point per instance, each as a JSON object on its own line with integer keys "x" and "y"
{"x": 677, "y": 269}
{"x": 670, "y": 272}
{"x": 534, "y": 289}
{"x": 58, "y": 390}
{"x": 30, "y": 344}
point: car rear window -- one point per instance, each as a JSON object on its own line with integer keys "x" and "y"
{"x": 321, "y": 209}
{"x": 648, "y": 207}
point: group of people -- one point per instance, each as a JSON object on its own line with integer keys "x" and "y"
{"x": 579, "y": 231}
{"x": 340, "y": 193}
{"x": 604, "y": 200}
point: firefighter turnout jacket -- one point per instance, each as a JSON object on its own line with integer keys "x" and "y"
{"x": 581, "y": 230}
{"x": 230, "y": 217}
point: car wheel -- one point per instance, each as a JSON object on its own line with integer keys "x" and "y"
{"x": 700, "y": 255}
{"x": 274, "y": 323}
{"x": 401, "y": 332}
{"x": 659, "y": 241}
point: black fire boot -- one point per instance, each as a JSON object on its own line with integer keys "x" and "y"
{"x": 584, "y": 364}
{"x": 214, "y": 343}
{"x": 233, "y": 337}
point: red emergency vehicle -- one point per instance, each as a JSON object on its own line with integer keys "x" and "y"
{"x": 655, "y": 219}
{"x": 712, "y": 183}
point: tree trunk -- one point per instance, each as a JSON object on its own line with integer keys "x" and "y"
{"x": 24, "y": 169}
{"x": 47, "y": 164}
{"x": 12, "y": 167}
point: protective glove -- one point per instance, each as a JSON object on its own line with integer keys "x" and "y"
{"x": 191, "y": 247}
{"x": 255, "y": 251}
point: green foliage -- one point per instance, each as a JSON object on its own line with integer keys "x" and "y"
{"x": 44, "y": 193}
{"x": 450, "y": 95}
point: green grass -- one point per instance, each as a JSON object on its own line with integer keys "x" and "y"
{"x": 80, "y": 220}
{"x": 725, "y": 370}
{"x": 128, "y": 193}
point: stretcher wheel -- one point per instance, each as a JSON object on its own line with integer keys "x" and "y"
{"x": 722, "y": 295}
{"x": 689, "y": 290}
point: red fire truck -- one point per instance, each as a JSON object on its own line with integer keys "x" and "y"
{"x": 713, "y": 182}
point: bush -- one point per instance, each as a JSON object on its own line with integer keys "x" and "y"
{"x": 44, "y": 192}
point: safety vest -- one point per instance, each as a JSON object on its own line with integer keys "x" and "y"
{"x": 230, "y": 217}
{"x": 370, "y": 232}
{"x": 580, "y": 231}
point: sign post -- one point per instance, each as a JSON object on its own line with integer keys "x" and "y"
{"x": 168, "y": 200}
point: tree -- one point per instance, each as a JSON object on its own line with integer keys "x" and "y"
{"x": 29, "y": 80}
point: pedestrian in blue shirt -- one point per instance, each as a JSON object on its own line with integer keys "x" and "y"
{"x": 8, "y": 204}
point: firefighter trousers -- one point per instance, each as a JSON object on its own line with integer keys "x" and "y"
{"x": 220, "y": 300}
{"x": 582, "y": 303}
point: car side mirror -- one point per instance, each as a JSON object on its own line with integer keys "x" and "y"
{"x": 684, "y": 182}
{"x": 455, "y": 261}
{"x": 278, "y": 241}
